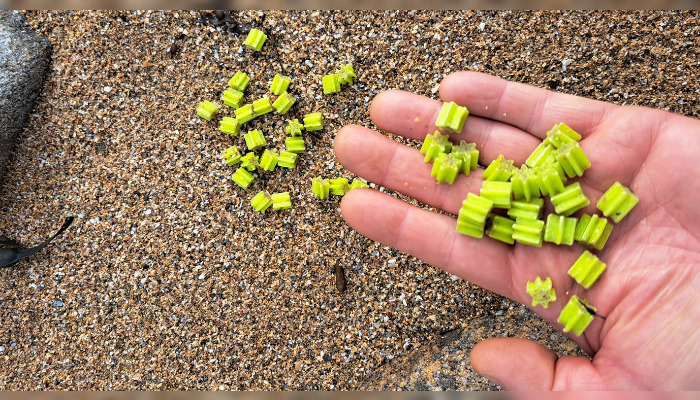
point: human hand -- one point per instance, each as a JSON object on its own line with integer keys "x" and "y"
{"x": 650, "y": 292}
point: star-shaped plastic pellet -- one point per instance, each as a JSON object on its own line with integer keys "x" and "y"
{"x": 541, "y": 292}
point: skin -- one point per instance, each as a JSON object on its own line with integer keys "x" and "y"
{"x": 650, "y": 292}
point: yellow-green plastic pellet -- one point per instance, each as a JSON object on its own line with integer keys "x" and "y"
{"x": 268, "y": 160}
{"x": 617, "y": 202}
{"x": 294, "y": 127}
{"x": 528, "y": 231}
{"x": 540, "y": 155}
{"x": 498, "y": 192}
{"x": 587, "y": 269}
{"x": 249, "y": 161}
{"x": 524, "y": 183}
{"x": 561, "y": 135}
{"x": 593, "y": 231}
{"x": 572, "y": 160}
{"x": 541, "y": 291}
{"x": 313, "y": 121}
{"x": 239, "y": 81}
{"x": 232, "y": 155}
{"x": 281, "y": 201}
{"x": 446, "y": 167}
{"x": 570, "y": 200}
{"x": 207, "y": 110}
{"x": 470, "y": 228}
{"x": 262, "y": 106}
{"x": 358, "y": 183}
{"x": 549, "y": 180}
{"x": 452, "y": 117}
{"x": 469, "y": 155}
{"x": 346, "y": 74}
{"x": 284, "y": 102}
{"x": 475, "y": 209}
{"x": 500, "y": 170}
{"x": 287, "y": 159}
{"x": 532, "y": 209}
{"x": 435, "y": 144}
{"x": 320, "y": 187}
{"x": 245, "y": 113}
{"x": 560, "y": 229}
{"x": 575, "y": 316}
{"x": 232, "y": 98}
{"x": 261, "y": 201}
{"x": 230, "y": 126}
{"x": 242, "y": 177}
{"x": 255, "y": 39}
{"x": 255, "y": 140}
{"x": 500, "y": 228}
{"x": 295, "y": 144}
{"x": 331, "y": 84}
{"x": 279, "y": 85}
{"x": 339, "y": 186}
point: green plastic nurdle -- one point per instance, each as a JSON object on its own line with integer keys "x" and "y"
{"x": 284, "y": 102}
{"x": 572, "y": 159}
{"x": 524, "y": 183}
{"x": 295, "y": 144}
{"x": 261, "y": 201}
{"x": 549, "y": 180}
{"x": 560, "y": 229}
{"x": 358, "y": 183}
{"x": 281, "y": 201}
{"x": 532, "y": 209}
{"x": 452, "y": 117}
{"x": 207, "y": 110}
{"x": 313, "y": 121}
{"x": 339, "y": 186}
{"x": 561, "y": 135}
{"x": 539, "y": 155}
{"x": 320, "y": 187}
{"x": 255, "y": 140}
{"x": 331, "y": 84}
{"x": 587, "y": 269}
{"x": 268, "y": 160}
{"x": 435, "y": 144}
{"x": 242, "y": 177}
{"x": 475, "y": 209}
{"x": 541, "y": 291}
{"x": 245, "y": 113}
{"x": 498, "y": 192}
{"x": 232, "y": 98}
{"x": 255, "y": 39}
{"x": 249, "y": 161}
{"x": 500, "y": 228}
{"x": 262, "y": 106}
{"x": 617, "y": 202}
{"x": 294, "y": 127}
{"x": 230, "y": 126}
{"x": 446, "y": 167}
{"x": 570, "y": 200}
{"x": 470, "y": 228}
{"x": 528, "y": 231}
{"x": 469, "y": 155}
{"x": 593, "y": 231}
{"x": 346, "y": 74}
{"x": 500, "y": 169}
{"x": 576, "y": 315}
{"x": 239, "y": 81}
{"x": 279, "y": 85}
{"x": 232, "y": 155}
{"x": 287, "y": 159}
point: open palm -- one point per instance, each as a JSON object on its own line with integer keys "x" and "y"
{"x": 650, "y": 293}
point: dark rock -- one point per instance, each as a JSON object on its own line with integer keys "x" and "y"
{"x": 24, "y": 61}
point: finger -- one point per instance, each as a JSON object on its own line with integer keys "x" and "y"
{"x": 413, "y": 116}
{"x": 430, "y": 236}
{"x": 529, "y": 108}
{"x": 521, "y": 364}
{"x": 385, "y": 162}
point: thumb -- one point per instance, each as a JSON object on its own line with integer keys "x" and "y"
{"x": 520, "y": 364}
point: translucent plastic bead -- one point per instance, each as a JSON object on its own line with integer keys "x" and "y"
{"x": 242, "y": 177}
{"x": 587, "y": 269}
{"x": 498, "y": 192}
{"x": 570, "y": 200}
{"x": 560, "y": 229}
{"x": 239, "y": 81}
{"x": 541, "y": 292}
{"x": 261, "y": 201}
{"x": 255, "y": 140}
{"x": 255, "y": 39}
{"x": 452, "y": 117}
{"x": 528, "y": 231}
{"x": 207, "y": 110}
{"x": 576, "y": 315}
{"x": 435, "y": 144}
{"x": 617, "y": 202}
{"x": 320, "y": 187}
{"x": 500, "y": 228}
{"x": 279, "y": 84}
{"x": 593, "y": 231}
{"x": 230, "y": 126}
{"x": 446, "y": 167}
